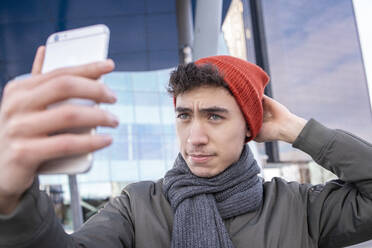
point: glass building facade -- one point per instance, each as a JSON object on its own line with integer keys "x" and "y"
{"x": 145, "y": 143}
{"x": 316, "y": 65}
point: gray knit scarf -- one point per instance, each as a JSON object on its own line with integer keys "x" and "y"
{"x": 200, "y": 204}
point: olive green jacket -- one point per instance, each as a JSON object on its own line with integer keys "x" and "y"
{"x": 292, "y": 215}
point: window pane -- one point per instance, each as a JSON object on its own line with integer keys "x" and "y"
{"x": 145, "y": 81}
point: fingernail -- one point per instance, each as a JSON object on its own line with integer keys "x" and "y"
{"x": 113, "y": 118}
{"x": 105, "y": 140}
{"x": 111, "y": 62}
{"x": 110, "y": 94}
{"x": 107, "y": 64}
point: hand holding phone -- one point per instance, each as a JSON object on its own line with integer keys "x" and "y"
{"x": 26, "y": 122}
{"x": 66, "y": 49}
{"x": 35, "y": 113}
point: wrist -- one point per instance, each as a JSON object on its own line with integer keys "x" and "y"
{"x": 292, "y": 128}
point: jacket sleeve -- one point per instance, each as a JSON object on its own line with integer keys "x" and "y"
{"x": 34, "y": 224}
{"x": 339, "y": 213}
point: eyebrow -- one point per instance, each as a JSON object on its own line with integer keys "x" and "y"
{"x": 214, "y": 109}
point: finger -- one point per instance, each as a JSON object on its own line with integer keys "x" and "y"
{"x": 272, "y": 107}
{"x": 56, "y": 90}
{"x": 58, "y": 119}
{"x": 41, "y": 149}
{"x": 38, "y": 61}
{"x": 267, "y": 107}
{"x": 14, "y": 85}
{"x": 66, "y": 87}
{"x": 92, "y": 70}
{"x": 267, "y": 101}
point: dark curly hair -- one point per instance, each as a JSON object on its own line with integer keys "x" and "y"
{"x": 190, "y": 76}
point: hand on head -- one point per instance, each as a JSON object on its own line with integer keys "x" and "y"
{"x": 278, "y": 123}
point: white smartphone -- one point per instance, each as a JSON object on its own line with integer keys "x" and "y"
{"x": 71, "y": 48}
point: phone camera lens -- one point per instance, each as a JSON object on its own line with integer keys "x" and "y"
{"x": 56, "y": 38}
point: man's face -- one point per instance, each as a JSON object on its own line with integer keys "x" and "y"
{"x": 211, "y": 130}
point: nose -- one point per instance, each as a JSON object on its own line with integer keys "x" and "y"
{"x": 197, "y": 135}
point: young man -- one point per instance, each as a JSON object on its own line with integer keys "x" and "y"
{"x": 212, "y": 197}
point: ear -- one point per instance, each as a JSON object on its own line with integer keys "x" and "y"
{"x": 248, "y": 133}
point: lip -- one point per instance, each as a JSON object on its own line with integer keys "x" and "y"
{"x": 200, "y": 158}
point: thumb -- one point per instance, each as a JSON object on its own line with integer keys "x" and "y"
{"x": 38, "y": 61}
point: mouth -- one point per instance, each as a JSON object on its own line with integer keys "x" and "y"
{"x": 200, "y": 158}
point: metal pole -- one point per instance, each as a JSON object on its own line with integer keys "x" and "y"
{"x": 207, "y": 28}
{"x": 185, "y": 30}
{"x": 262, "y": 60}
{"x": 77, "y": 213}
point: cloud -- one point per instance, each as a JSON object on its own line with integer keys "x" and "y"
{"x": 315, "y": 62}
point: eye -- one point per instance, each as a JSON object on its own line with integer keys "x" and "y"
{"x": 183, "y": 116}
{"x": 215, "y": 117}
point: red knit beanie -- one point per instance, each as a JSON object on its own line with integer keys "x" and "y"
{"x": 247, "y": 82}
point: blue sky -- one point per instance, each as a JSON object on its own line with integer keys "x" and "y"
{"x": 316, "y": 64}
